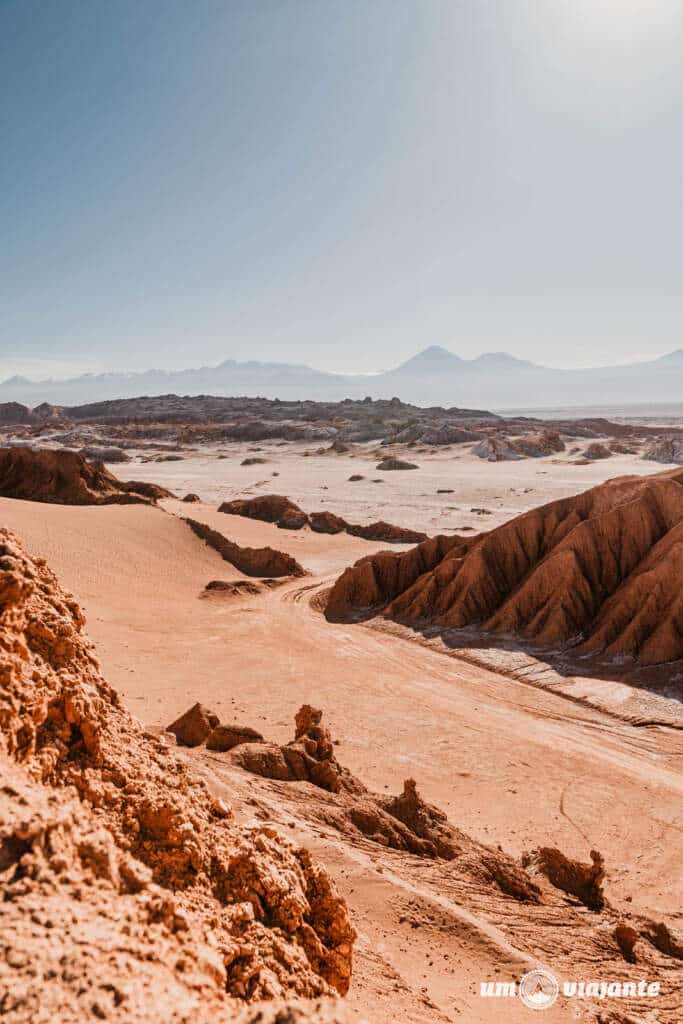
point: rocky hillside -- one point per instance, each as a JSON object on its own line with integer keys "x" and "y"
{"x": 130, "y": 892}
{"x": 64, "y": 477}
{"x": 598, "y": 572}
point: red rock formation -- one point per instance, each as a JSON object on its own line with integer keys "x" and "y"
{"x": 375, "y": 580}
{"x": 274, "y": 508}
{"x": 129, "y": 893}
{"x": 269, "y": 508}
{"x": 250, "y": 561}
{"x": 64, "y": 477}
{"x": 327, "y": 522}
{"x": 234, "y": 588}
{"x": 192, "y": 728}
{"x": 581, "y": 880}
{"x": 405, "y": 822}
{"x": 225, "y": 737}
{"x": 309, "y": 757}
{"x": 148, "y": 490}
{"x": 598, "y": 572}
{"x": 386, "y": 533}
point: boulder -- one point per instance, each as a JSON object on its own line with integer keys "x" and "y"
{"x": 327, "y": 522}
{"x": 193, "y": 727}
{"x": 225, "y": 737}
{"x": 666, "y": 450}
{"x": 581, "y": 880}
{"x": 94, "y": 453}
{"x": 394, "y": 464}
{"x": 597, "y": 450}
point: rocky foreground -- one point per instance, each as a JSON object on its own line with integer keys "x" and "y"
{"x": 129, "y": 892}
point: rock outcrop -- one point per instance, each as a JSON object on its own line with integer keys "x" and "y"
{"x": 527, "y": 446}
{"x": 64, "y": 477}
{"x": 147, "y": 490}
{"x": 221, "y": 589}
{"x": 274, "y": 508}
{"x": 375, "y": 580}
{"x": 597, "y": 573}
{"x": 226, "y": 737}
{"x": 597, "y": 450}
{"x": 250, "y": 561}
{"x": 268, "y": 508}
{"x": 448, "y": 434}
{"x": 327, "y": 522}
{"x": 98, "y": 453}
{"x": 386, "y": 533}
{"x": 667, "y": 450}
{"x": 309, "y": 757}
{"x": 395, "y": 464}
{"x": 405, "y": 822}
{"x": 14, "y": 413}
{"x": 193, "y": 727}
{"x": 496, "y": 449}
{"x": 536, "y": 446}
{"x": 581, "y": 880}
{"x": 129, "y": 892}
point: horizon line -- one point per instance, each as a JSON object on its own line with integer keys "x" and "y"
{"x": 23, "y": 379}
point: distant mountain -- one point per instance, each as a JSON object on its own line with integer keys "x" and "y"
{"x": 672, "y": 358}
{"x": 502, "y": 361}
{"x": 432, "y": 360}
{"x": 434, "y": 376}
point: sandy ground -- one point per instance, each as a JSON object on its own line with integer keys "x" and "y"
{"x": 510, "y": 763}
{"x": 405, "y": 497}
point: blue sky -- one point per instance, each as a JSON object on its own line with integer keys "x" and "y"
{"x": 339, "y": 182}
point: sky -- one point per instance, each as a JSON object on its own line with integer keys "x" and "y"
{"x": 338, "y": 182}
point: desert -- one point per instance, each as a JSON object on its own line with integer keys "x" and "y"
{"x": 514, "y": 803}
{"x": 341, "y": 512}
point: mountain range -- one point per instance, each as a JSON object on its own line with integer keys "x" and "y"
{"x": 434, "y": 376}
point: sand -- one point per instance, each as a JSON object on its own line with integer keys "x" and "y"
{"x": 407, "y": 498}
{"x": 510, "y": 763}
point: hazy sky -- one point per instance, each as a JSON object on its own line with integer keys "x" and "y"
{"x": 339, "y": 183}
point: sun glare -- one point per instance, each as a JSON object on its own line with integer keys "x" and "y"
{"x": 620, "y": 37}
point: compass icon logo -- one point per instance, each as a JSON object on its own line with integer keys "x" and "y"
{"x": 538, "y": 990}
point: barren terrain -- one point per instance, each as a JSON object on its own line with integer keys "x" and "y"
{"x": 514, "y": 763}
